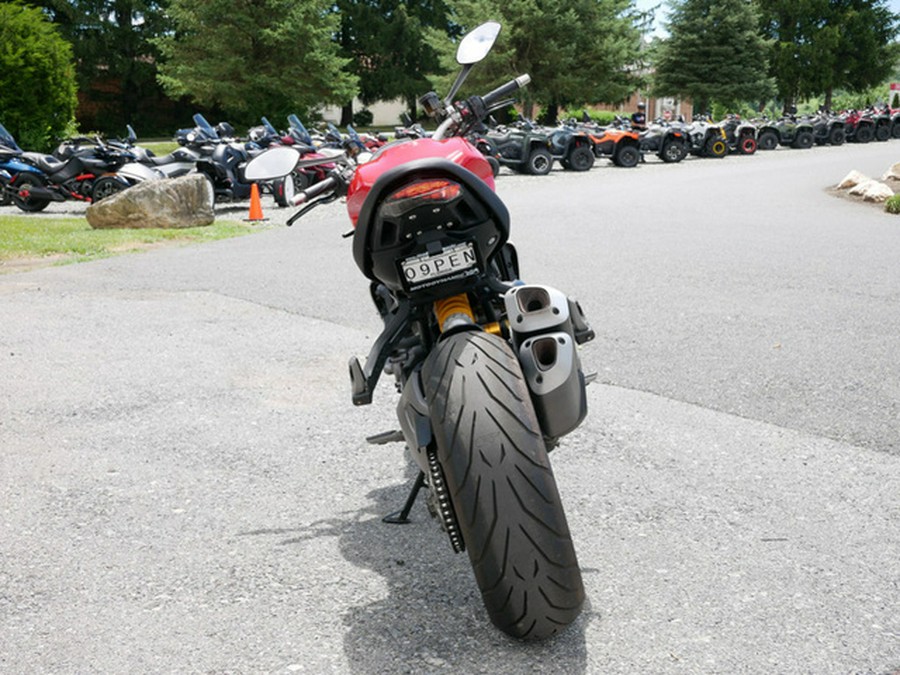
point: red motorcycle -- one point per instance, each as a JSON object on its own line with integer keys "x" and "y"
{"x": 486, "y": 366}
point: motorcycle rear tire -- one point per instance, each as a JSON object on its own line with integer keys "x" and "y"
{"x": 23, "y": 181}
{"x": 106, "y": 186}
{"x": 500, "y": 482}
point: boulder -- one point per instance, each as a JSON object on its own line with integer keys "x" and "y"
{"x": 852, "y": 179}
{"x": 872, "y": 191}
{"x": 892, "y": 174}
{"x": 181, "y": 202}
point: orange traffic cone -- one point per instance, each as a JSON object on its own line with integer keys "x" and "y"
{"x": 255, "y": 204}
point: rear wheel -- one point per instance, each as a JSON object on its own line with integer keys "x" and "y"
{"x": 804, "y": 140}
{"x": 23, "y": 183}
{"x": 580, "y": 159}
{"x": 882, "y": 132}
{"x": 864, "y": 134}
{"x": 627, "y": 156}
{"x": 895, "y": 129}
{"x": 540, "y": 161}
{"x": 106, "y": 186}
{"x": 747, "y": 146}
{"x": 836, "y": 136}
{"x": 499, "y": 480}
{"x": 767, "y": 140}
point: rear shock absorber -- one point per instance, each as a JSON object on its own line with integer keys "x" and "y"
{"x": 453, "y": 312}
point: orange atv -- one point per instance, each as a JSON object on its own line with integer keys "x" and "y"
{"x": 617, "y": 141}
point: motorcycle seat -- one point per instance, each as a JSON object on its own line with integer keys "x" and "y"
{"x": 46, "y": 163}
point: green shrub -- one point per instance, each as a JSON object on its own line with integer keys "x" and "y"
{"x": 892, "y": 205}
{"x": 38, "y": 94}
{"x": 598, "y": 116}
{"x": 363, "y": 118}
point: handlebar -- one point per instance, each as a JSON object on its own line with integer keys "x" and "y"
{"x": 504, "y": 90}
{"x": 315, "y": 190}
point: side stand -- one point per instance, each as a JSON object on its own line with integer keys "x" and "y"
{"x": 401, "y": 517}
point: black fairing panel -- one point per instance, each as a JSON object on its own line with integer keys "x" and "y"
{"x": 478, "y": 214}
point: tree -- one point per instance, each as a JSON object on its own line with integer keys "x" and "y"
{"x": 714, "y": 52}
{"x": 37, "y": 78}
{"x": 260, "y": 57}
{"x": 115, "y": 58}
{"x": 823, "y": 45}
{"x": 386, "y": 46}
{"x": 576, "y": 51}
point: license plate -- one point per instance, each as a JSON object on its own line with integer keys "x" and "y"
{"x": 426, "y": 268}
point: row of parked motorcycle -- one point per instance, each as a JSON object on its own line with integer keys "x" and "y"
{"x": 529, "y": 148}
{"x": 90, "y": 169}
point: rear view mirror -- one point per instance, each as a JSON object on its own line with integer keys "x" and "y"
{"x": 476, "y": 45}
{"x": 273, "y": 163}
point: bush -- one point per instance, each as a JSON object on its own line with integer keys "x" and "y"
{"x": 38, "y": 94}
{"x": 601, "y": 117}
{"x": 892, "y": 205}
{"x": 363, "y": 118}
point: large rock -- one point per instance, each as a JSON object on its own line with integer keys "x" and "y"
{"x": 872, "y": 191}
{"x": 853, "y": 179}
{"x": 168, "y": 203}
{"x": 892, "y": 174}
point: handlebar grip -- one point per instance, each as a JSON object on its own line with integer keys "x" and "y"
{"x": 505, "y": 90}
{"x": 314, "y": 190}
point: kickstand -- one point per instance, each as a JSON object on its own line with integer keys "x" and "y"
{"x": 401, "y": 517}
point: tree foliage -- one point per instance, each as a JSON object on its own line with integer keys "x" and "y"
{"x": 714, "y": 52}
{"x": 576, "y": 51}
{"x": 387, "y": 48}
{"x": 259, "y": 57}
{"x": 37, "y": 78}
{"x": 819, "y": 46}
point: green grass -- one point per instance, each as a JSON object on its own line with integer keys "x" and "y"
{"x": 892, "y": 205}
{"x": 159, "y": 148}
{"x": 65, "y": 240}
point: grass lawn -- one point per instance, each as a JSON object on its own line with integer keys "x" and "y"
{"x": 30, "y": 241}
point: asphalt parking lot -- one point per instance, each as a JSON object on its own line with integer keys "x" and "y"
{"x": 185, "y": 486}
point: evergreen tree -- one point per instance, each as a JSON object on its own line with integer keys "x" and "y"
{"x": 576, "y": 51}
{"x": 823, "y": 45}
{"x": 261, "y": 57}
{"x": 387, "y": 49}
{"x": 714, "y": 52}
{"x": 115, "y": 57}
{"x": 37, "y": 78}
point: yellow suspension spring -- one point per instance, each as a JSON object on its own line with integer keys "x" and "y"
{"x": 450, "y": 311}
{"x": 458, "y": 306}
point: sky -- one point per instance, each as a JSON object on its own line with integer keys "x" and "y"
{"x": 661, "y": 13}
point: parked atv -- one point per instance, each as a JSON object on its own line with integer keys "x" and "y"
{"x": 706, "y": 138}
{"x": 523, "y": 147}
{"x": 617, "y": 141}
{"x": 828, "y": 129}
{"x": 740, "y": 136}
{"x": 573, "y": 148}
{"x": 668, "y": 142}
{"x": 859, "y": 128}
{"x": 789, "y": 131}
